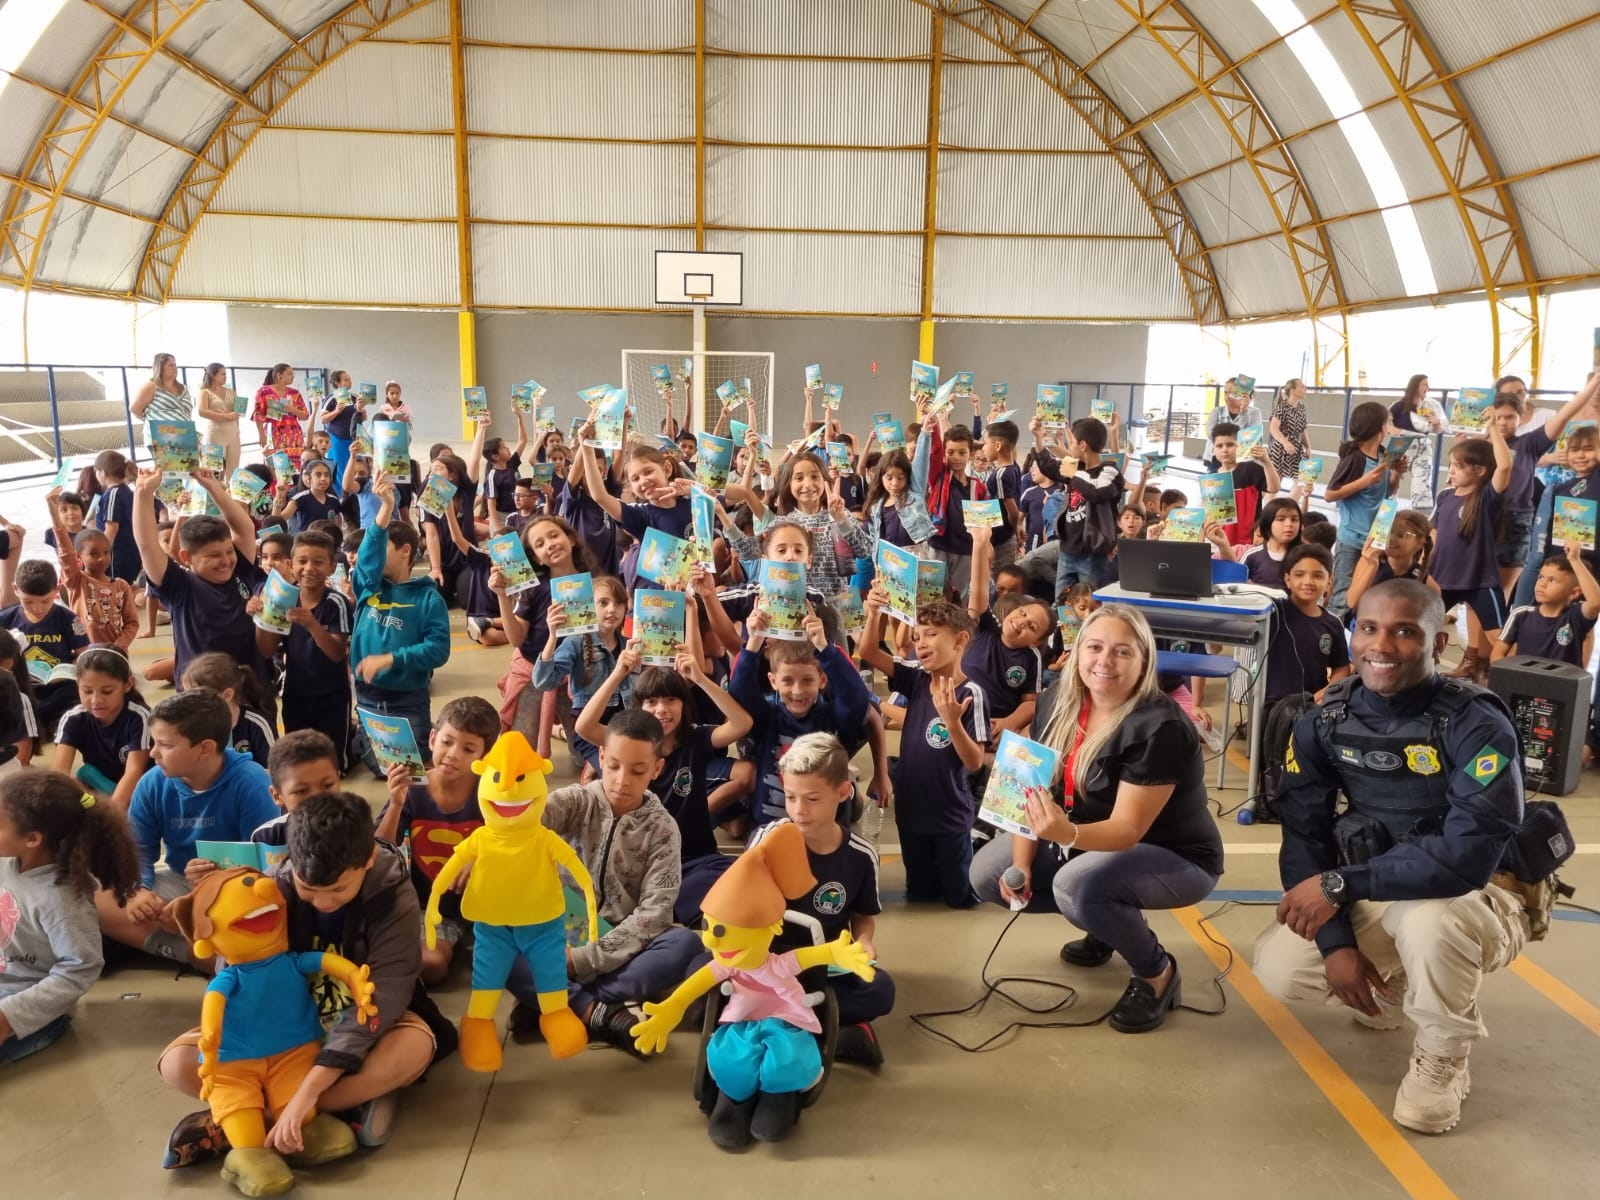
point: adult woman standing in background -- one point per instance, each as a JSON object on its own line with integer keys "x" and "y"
{"x": 342, "y": 412}
{"x": 278, "y": 411}
{"x": 1289, "y": 443}
{"x": 162, "y": 397}
{"x": 1415, "y": 412}
{"x": 219, "y": 416}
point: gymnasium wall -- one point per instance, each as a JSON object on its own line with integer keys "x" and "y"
{"x": 568, "y": 351}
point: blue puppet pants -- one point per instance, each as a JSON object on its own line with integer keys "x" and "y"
{"x": 769, "y": 1055}
{"x": 496, "y": 948}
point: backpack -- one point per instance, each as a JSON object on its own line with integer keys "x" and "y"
{"x": 1276, "y": 730}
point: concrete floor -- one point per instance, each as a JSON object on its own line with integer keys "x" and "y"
{"x": 1258, "y": 1101}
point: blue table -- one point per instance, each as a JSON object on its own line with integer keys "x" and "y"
{"x": 1242, "y": 618}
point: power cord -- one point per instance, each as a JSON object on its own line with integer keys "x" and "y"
{"x": 996, "y": 986}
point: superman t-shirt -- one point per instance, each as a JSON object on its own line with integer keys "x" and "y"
{"x": 432, "y": 834}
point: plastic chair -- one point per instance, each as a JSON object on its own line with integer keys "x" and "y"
{"x": 1223, "y": 571}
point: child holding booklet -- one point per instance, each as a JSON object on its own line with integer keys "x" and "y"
{"x": 663, "y": 504}
{"x": 586, "y": 657}
{"x": 107, "y": 606}
{"x": 1004, "y": 657}
{"x": 314, "y": 502}
{"x": 114, "y": 514}
{"x": 1404, "y": 556}
{"x": 1253, "y": 480}
{"x": 492, "y": 464}
{"x": 806, "y": 498}
{"x": 1362, "y": 481}
{"x": 1308, "y": 651}
{"x": 946, "y": 729}
{"x": 1464, "y": 566}
{"x": 1087, "y": 524}
{"x": 484, "y": 625}
{"x": 1557, "y": 625}
{"x": 896, "y": 506}
{"x": 447, "y": 562}
{"x": 556, "y": 552}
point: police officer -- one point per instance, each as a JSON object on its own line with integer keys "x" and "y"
{"x": 1389, "y": 906}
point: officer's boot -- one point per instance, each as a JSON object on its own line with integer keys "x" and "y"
{"x": 1430, "y": 1096}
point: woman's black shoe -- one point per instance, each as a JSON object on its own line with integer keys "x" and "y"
{"x": 1087, "y": 951}
{"x": 1140, "y": 1010}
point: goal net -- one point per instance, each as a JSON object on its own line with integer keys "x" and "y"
{"x": 648, "y": 373}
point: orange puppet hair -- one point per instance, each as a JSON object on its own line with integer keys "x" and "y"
{"x": 751, "y": 893}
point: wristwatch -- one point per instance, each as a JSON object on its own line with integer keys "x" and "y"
{"x": 1333, "y": 888}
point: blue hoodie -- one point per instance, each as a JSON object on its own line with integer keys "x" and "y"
{"x": 407, "y": 620}
{"x": 166, "y": 811}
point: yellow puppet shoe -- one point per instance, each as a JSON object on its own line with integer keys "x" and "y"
{"x": 323, "y": 1139}
{"x": 563, "y": 1032}
{"x": 257, "y": 1171}
{"x": 480, "y": 1045}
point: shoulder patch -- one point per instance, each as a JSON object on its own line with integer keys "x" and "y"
{"x": 1486, "y": 765}
{"x": 1290, "y": 765}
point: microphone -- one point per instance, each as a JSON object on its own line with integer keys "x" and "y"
{"x": 1014, "y": 879}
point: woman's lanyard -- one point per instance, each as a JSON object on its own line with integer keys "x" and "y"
{"x": 1070, "y": 770}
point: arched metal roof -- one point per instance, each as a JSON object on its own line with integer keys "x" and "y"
{"x": 1212, "y": 160}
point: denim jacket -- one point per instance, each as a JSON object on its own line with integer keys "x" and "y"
{"x": 567, "y": 663}
{"x": 913, "y": 505}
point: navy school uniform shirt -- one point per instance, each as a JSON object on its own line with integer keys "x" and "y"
{"x": 1004, "y": 483}
{"x": 596, "y": 530}
{"x": 853, "y": 491}
{"x": 1459, "y": 565}
{"x": 636, "y": 518}
{"x": 930, "y": 781}
{"x": 1526, "y": 451}
{"x": 477, "y": 598}
{"x": 307, "y": 670}
{"x": 847, "y": 885}
{"x": 891, "y": 529}
{"x": 210, "y": 616}
{"x": 1262, "y": 567}
{"x": 116, "y": 507}
{"x": 681, "y": 787}
{"x": 451, "y": 560}
{"x": 533, "y": 607}
{"x": 1303, "y": 650}
{"x": 253, "y": 736}
{"x": 501, "y": 483}
{"x": 1559, "y": 638}
{"x": 1032, "y": 504}
{"x": 955, "y": 539}
{"x": 1004, "y": 674}
{"x": 56, "y": 639}
{"x": 106, "y": 747}
{"x": 307, "y": 508}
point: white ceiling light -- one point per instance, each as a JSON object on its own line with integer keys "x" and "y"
{"x": 1405, "y": 236}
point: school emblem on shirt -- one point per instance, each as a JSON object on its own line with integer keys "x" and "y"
{"x": 829, "y": 899}
{"x": 1564, "y": 636}
{"x": 682, "y": 781}
{"x": 1325, "y": 643}
{"x": 1015, "y": 676}
{"x": 1486, "y": 765}
{"x": 1422, "y": 760}
{"x": 938, "y": 734}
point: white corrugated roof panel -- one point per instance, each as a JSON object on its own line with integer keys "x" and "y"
{"x": 579, "y": 268}
{"x": 1259, "y": 277}
{"x": 514, "y": 180}
{"x": 1362, "y": 71}
{"x": 380, "y": 86}
{"x": 659, "y": 24}
{"x": 430, "y": 19}
{"x": 1031, "y": 277}
{"x": 1331, "y": 172}
{"x": 26, "y": 111}
{"x": 90, "y": 247}
{"x": 1238, "y": 27}
{"x": 1080, "y": 30}
{"x": 289, "y": 259}
{"x": 1525, "y": 134}
{"x": 580, "y": 95}
{"x": 65, "y": 46}
{"x": 1141, "y": 76}
{"x": 1284, "y": 90}
{"x": 1229, "y": 204}
{"x": 1365, "y": 256}
{"x": 962, "y": 45}
{"x": 1191, "y": 139}
{"x": 1039, "y": 193}
{"x": 879, "y": 104}
{"x": 343, "y": 174}
{"x": 128, "y": 168}
{"x": 228, "y": 39}
{"x": 1558, "y": 217}
{"x": 812, "y": 273}
{"x": 173, "y": 102}
{"x": 1450, "y": 252}
{"x": 879, "y": 29}
{"x": 1412, "y": 161}
{"x": 1468, "y": 31}
{"x": 821, "y": 189}
{"x": 1005, "y": 107}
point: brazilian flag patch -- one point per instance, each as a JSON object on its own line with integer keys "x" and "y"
{"x": 1486, "y": 765}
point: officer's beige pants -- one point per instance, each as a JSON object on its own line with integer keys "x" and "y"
{"x": 1444, "y": 947}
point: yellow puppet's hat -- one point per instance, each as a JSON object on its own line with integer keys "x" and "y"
{"x": 752, "y": 893}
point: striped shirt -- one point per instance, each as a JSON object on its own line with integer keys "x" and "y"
{"x": 169, "y": 407}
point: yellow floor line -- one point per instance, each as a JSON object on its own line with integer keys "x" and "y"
{"x": 1558, "y": 993}
{"x": 1397, "y": 1155}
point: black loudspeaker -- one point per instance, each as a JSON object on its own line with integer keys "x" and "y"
{"x": 1549, "y": 703}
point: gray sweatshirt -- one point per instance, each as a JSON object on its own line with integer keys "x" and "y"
{"x": 49, "y": 946}
{"x": 635, "y": 862}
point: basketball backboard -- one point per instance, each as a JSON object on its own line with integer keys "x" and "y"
{"x": 694, "y": 277}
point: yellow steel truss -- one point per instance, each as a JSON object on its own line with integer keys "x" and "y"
{"x": 1071, "y": 82}
{"x": 458, "y": 108}
{"x": 930, "y": 185}
{"x": 158, "y": 266}
{"x": 1462, "y": 157}
{"x": 1220, "y": 81}
{"x": 138, "y": 36}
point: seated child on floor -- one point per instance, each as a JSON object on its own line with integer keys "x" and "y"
{"x": 110, "y": 728}
{"x": 57, "y": 845}
{"x": 239, "y": 688}
{"x": 300, "y": 764}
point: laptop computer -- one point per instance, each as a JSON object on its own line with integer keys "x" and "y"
{"x": 1169, "y": 570}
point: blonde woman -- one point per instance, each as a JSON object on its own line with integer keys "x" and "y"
{"x": 1288, "y": 442}
{"x": 162, "y": 397}
{"x": 1125, "y": 826}
{"x": 219, "y": 416}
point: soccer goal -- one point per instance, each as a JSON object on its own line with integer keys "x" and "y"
{"x": 652, "y": 377}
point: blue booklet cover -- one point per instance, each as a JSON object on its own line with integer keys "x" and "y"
{"x": 212, "y": 458}
{"x": 783, "y": 596}
{"x": 575, "y": 594}
{"x": 1023, "y": 769}
{"x": 833, "y": 396}
{"x": 1184, "y": 525}
{"x": 391, "y": 449}
{"x": 1573, "y": 520}
{"x": 891, "y": 435}
{"x": 1155, "y": 464}
{"x": 1050, "y": 402}
{"x": 475, "y": 401}
{"x": 283, "y": 466}
{"x": 392, "y": 742}
{"x": 1470, "y": 412}
{"x": 505, "y": 551}
{"x": 980, "y": 514}
{"x": 703, "y": 510}
{"x": 998, "y": 394}
{"x": 839, "y": 458}
{"x": 659, "y": 622}
{"x": 521, "y": 399}
{"x": 1216, "y": 495}
{"x": 852, "y": 615}
{"x": 924, "y": 381}
{"x": 255, "y": 856}
{"x": 175, "y": 446}
{"x": 897, "y": 575}
{"x": 543, "y": 474}
{"x": 944, "y": 399}
{"x": 964, "y": 383}
{"x": 813, "y": 377}
{"x": 666, "y": 560}
{"x": 930, "y": 581}
{"x": 246, "y": 486}
{"x": 278, "y": 596}
{"x": 728, "y": 393}
{"x": 436, "y": 495}
{"x": 1249, "y": 438}
{"x": 1383, "y": 522}
{"x": 608, "y": 419}
{"x": 661, "y": 376}
{"x": 1101, "y": 408}
{"x": 712, "y": 461}
{"x": 369, "y": 392}
{"x": 544, "y": 418}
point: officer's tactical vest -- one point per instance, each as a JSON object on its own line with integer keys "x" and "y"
{"x": 1399, "y": 779}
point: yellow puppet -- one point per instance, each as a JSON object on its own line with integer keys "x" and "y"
{"x": 259, "y": 1032}
{"x": 764, "y": 1053}
{"x": 515, "y": 899}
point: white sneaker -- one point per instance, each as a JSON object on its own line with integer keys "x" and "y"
{"x": 1430, "y": 1096}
